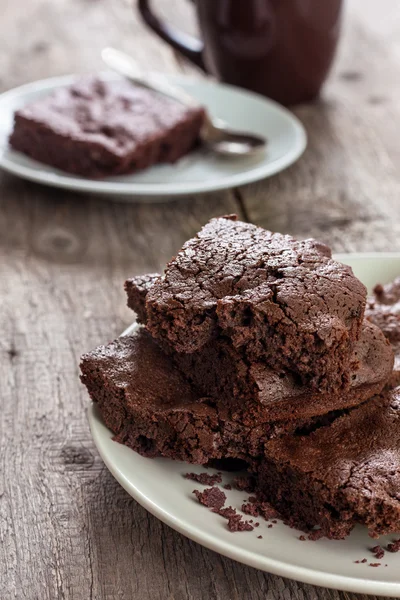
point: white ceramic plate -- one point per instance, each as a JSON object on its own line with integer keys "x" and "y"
{"x": 200, "y": 171}
{"x": 158, "y": 485}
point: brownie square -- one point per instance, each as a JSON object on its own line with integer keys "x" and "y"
{"x": 151, "y": 408}
{"x": 383, "y": 309}
{"x": 97, "y": 128}
{"x": 340, "y": 475}
{"x": 276, "y": 299}
{"x": 257, "y": 393}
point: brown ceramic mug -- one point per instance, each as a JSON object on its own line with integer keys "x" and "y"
{"x": 282, "y": 49}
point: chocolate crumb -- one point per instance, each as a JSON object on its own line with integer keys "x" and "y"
{"x": 267, "y": 511}
{"x": 256, "y": 524}
{"x": 204, "y": 478}
{"x": 212, "y": 497}
{"x": 378, "y": 551}
{"x": 374, "y": 564}
{"x": 270, "y": 526}
{"x": 250, "y": 509}
{"x": 394, "y": 546}
{"x": 237, "y": 523}
{"x": 302, "y": 538}
{"x": 225, "y": 512}
{"x": 274, "y": 521}
{"x": 227, "y": 486}
{"x": 244, "y": 484}
{"x": 364, "y": 560}
{"x": 357, "y": 562}
{"x": 378, "y": 289}
{"x": 315, "y": 535}
{"x": 259, "y": 537}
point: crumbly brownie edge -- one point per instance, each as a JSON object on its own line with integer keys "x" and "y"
{"x": 195, "y": 431}
{"x": 137, "y": 289}
{"x": 212, "y": 370}
{"x": 341, "y": 474}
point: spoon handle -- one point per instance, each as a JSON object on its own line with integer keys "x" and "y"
{"x": 128, "y": 67}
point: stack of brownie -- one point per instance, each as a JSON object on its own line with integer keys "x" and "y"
{"x": 255, "y": 346}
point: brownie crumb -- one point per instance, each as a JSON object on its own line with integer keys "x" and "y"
{"x": 256, "y": 524}
{"x": 263, "y": 509}
{"x": 394, "y": 546}
{"x": 303, "y": 538}
{"x": 204, "y": 478}
{"x": 315, "y": 535}
{"x": 227, "y": 486}
{"x": 250, "y": 509}
{"x": 270, "y": 526}
{"x": 237, "y": 523}
{"x": 378, "y": 551}
{"x": 364, "y": 560}
{"x": 374, "y": 564}
{"x": 259, "y": 537}
{"x": 211, "y": 497}
{"x": 244, "y": 484}
{"x": 227, "y": 513}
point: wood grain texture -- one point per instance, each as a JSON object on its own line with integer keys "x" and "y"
{"x": 67, "y": 529}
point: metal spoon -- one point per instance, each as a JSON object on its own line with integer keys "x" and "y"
{"x": 214, "y": 133}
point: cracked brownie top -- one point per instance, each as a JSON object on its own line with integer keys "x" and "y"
{"x": 276, "y": 298}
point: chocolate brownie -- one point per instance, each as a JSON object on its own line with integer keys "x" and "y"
{"x": 137, "y": 289}
{"x": 340, "y": 475}
{"x": 97, "y": 128}
{"x": 383, "y": 309}
{"x": 257, "y": 393}
{"x": 277, "y": 299}
{"x": 151, "y": 408}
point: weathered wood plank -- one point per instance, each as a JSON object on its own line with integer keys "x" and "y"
{"x": 67, "y": 529}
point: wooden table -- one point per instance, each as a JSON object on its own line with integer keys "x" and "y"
{"x": 67, "y": 529}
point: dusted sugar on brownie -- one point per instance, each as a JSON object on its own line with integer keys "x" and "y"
{"x": 277, "y": 299}
{"x": 151, "y": 408}
{"x": 383, "y": 309}
{"x": 340, "y": 475}
{"x": 255, "y": 392}
{"x": 97, "y": 128}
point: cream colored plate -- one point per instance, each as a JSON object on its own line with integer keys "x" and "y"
{"x": 158, "y": 485}
{"x": 199, "y": 171}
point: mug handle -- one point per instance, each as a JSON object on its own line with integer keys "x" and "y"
{"x": 188, "y": 45}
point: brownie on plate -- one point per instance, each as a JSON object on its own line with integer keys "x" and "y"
{"x": 151, "y": 408}
{"x": 340, "y": 475}
{"x": 257, "y": 393}
{"x": 383, "y": 309}
{"x": 276, "y": 299}
{"x": 97, "y": 128}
